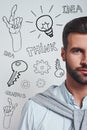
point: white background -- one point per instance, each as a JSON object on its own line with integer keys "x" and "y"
{"x": 43, "y": 67}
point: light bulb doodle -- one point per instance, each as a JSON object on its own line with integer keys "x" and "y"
{"x": 59, "y": 71}
{"x": 44, "y": 23}
{"x": 18, "y": 67}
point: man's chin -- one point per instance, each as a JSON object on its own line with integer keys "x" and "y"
{"x": 82, "y": 81}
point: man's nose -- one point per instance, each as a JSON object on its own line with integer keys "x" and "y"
{"x": 84, "y": 59}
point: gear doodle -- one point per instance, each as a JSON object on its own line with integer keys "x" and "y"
{"x": 25, "y": 84}
{"x": 40, "y": 83}
{"x": 41, "y": 67}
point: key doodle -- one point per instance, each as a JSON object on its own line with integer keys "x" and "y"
{"x": 18, "y": 67}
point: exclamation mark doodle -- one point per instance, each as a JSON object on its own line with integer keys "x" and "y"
{"x": 59, "y": 71}
{"x": 18, "y": 67}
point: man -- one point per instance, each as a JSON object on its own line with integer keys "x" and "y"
{"x": 63, "y": 107}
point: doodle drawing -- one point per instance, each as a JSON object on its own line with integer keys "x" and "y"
{"x": 41, "y": 67}
{"x": 40, "y": 83}
{"x": 59, "y": 71}
{"x": 44, "y": 23}
{"x": 8, "y": 113}
{"x": 14, "y": 26}
{"x": 18, "y": 67}
{"x": 25, "y": 84}
{"x": 72, "y": 9}
{"x": 41, "y": 48}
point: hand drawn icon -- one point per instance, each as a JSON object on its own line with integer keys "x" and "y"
{"x": 25, "y": 84}
{"x": 14, "y": 26}
{"x": 41, "y": 67}
{"x": 59, "y": 71}
{"x": 40, "y": 83}
{"x": 8, "y": 113}
{"x": 18, "y": 67}
{"x": 44, "y": 23}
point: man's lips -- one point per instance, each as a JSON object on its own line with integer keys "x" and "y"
{"x": 83, "y": 70}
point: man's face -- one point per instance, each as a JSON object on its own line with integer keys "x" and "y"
{"x": 75, "y": 57}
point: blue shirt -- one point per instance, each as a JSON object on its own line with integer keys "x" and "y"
{"x": 36, "y": 117}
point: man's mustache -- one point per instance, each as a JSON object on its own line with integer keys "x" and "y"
{"x": 82, "y": 67}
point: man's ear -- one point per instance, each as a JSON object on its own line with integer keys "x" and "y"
{"x": 63, "y": 54}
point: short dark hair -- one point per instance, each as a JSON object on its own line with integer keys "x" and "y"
{"x": 77, "y": 25}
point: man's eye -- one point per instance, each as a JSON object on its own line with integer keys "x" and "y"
{"x": 76, "y": 51}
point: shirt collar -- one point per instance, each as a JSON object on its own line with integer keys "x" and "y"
{"x": 70, "y": 99}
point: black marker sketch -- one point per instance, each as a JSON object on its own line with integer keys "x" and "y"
{"x": 41, "y": 67}
{"x": 8, "y": 113}
{"x": 72, "y": 9}
{"x": 15, "y": 94}
{"x": 40, "y": 83}
{"x": 44, "y": 23}
{"x": 25, "y": 84}
{"x": 59, "y": 71}
{"x": 14, "y": 26}
{"x": 17, "y": 67}
{"x": 41, "y": 48}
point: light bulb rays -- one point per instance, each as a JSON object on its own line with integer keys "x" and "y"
{"x": 44, "y": 23}
{"x": 51, "y": 8}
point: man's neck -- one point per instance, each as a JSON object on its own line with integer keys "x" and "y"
{"x": 78, "y": 90}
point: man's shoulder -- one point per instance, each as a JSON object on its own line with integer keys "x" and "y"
{"x": 55, "y": 90}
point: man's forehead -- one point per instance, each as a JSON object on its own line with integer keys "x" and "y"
{"x": 77, "y": 38}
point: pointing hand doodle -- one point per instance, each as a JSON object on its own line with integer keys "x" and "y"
{"x": 14, "y": 26}
{"x": 8, "y": 112}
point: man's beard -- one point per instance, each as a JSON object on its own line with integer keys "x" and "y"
{"x": 78, "y": 77}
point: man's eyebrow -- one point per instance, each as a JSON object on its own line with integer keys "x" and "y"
{"x": 76, "y": 48}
